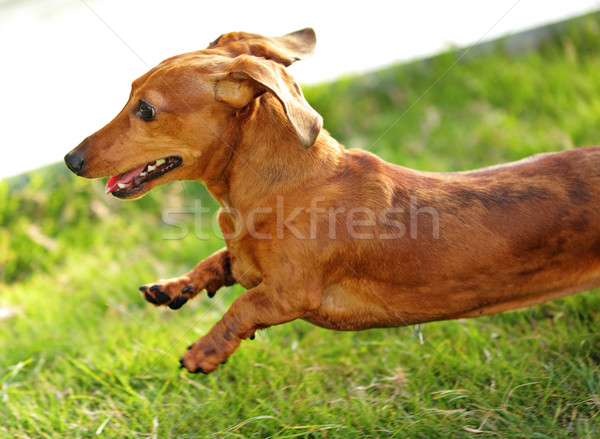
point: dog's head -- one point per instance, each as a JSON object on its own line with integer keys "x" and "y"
{"x": 180, "y": 116}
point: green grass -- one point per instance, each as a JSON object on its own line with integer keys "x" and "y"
{"x": 83, "y": 354}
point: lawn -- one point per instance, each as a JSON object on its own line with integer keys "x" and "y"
{"x": 84, "y": 356}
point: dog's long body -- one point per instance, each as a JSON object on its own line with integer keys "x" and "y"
{"x": 337, "y": 237}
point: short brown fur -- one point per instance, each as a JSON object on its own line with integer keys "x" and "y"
{"x": 472, "y": 243}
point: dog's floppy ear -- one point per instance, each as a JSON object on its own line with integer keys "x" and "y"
{"x": 284, "y": 50}
{"x": 250, "y": 77}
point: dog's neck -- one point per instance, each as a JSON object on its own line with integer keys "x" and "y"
{"x": 264, "y": 163}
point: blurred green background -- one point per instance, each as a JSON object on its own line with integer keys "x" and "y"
{"x": 83, "y": 354}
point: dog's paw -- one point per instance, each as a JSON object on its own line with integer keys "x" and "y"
{"x": 202, "y": 357}
{"x": 173, "y": 293}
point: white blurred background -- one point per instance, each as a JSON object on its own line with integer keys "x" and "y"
{"x": 66, "y": 65}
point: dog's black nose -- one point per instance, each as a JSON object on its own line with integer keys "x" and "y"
{"x": 75, "y": 162}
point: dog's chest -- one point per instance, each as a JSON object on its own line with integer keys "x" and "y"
{"x": 245, "y": 269}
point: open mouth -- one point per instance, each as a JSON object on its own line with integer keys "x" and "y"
{"x": 131, "y": 182}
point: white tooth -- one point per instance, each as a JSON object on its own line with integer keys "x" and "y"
{"x": 122, "y": 185}
{"x": 143, "y": 174}
{"x": 151, "y": 168}
{"x": 160, "y": 162}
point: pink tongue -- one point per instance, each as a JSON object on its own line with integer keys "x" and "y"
{"x": 113, "y": 182}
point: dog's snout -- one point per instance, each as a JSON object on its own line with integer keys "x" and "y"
{"x": 75, "y": 162}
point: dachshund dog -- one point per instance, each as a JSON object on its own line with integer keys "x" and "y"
{"x": 335, "y": 236}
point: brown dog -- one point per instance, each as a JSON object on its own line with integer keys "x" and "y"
{"x": 337, "y": 237}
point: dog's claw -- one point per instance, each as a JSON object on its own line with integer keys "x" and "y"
{"x": 162, "y": 297}
{"x": 197, "y": 370}
{"x": 154, "y": 288}
{"x": 187, "y": 289}
{"x": 210, "y": 294}
{"x": 142, "y": 288}
{"x": 200, "y": 370}
{"x": 178, "y": 302}
{"x": 150, "y": 299}
{"x": 252, "y": 337}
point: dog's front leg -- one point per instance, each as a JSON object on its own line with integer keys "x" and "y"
{"x": 257, "y": 308}
{"x": 210, "y": 274}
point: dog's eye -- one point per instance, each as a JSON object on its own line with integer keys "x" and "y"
{"x": 146, "y": 111}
